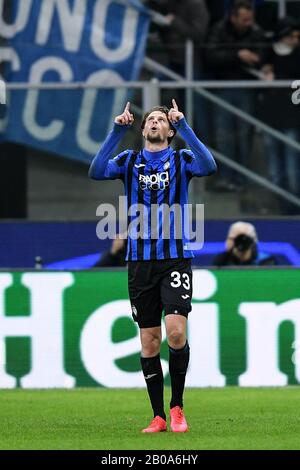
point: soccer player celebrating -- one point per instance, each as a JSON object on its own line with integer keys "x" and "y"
{"x": 159, "y": 267}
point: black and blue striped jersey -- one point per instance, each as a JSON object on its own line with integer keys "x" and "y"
{"x": 156, "y": 187}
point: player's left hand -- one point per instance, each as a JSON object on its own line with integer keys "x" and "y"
{"x": 174, "y": 114}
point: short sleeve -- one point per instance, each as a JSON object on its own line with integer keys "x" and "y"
{"x": 116, "y": 166}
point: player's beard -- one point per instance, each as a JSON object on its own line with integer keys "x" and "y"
{"x": 155, "y": 139}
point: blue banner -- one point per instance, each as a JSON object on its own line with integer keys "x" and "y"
{"x": 99, "y": 41}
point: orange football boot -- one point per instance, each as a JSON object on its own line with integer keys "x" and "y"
{"x": 178, "y": 421}
{"x": 157, "y": 425}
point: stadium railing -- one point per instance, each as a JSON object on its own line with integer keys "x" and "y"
{"x": 151, "y": 94}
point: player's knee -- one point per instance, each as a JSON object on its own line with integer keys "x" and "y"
{"x": 176, "y": 338}
{"x": 150, "y": 345}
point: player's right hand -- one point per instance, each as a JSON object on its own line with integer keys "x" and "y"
{"x": 126, "y": 118}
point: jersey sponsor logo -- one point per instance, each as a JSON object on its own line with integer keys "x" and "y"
{"x": 156, "y": 182}
{"x": 140, "y": 165}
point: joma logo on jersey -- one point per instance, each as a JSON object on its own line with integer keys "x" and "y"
{"x": 155, "y": 182}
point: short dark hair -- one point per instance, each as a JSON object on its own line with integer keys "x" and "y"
{"x": 163, "y": 109}
{"x": 239, "y": 4}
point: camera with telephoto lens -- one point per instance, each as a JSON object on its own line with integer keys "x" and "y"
{"x": 243, "y": 242}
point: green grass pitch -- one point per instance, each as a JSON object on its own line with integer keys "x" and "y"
{"x": 229, "y": 418}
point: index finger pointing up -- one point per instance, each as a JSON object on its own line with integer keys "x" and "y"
{"x": 174, "y": 104}
{"x": 127, "y": 107}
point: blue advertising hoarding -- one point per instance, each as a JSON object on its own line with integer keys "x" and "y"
{"x": 74, "y": 245}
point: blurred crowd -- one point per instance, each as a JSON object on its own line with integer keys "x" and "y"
{"x": 232, "y": 38}
{"x": 236, "y": 40}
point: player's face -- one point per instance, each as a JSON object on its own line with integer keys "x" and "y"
{"x": 157, "y": 128}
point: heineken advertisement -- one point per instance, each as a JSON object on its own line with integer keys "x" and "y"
{"x": 74, "y": 329}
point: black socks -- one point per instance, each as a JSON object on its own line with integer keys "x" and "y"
{"x": 152, "y": 371}
{"x": 178, "y": 364}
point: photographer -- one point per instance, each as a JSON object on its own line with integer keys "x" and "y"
{"x": 242, "y": 248}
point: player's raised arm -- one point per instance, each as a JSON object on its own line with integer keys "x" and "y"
{"x": 98, "y": 168}
{"x": 204, "y": 161}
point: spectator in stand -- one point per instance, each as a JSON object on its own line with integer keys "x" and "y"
{"x": 242, "y": 248}
{"x": 282, "y": 63}
{"x": 266, "y": 12}
{"x": 218, "y": 9}
{"x": 184, "y": 20}
{"x": 234, "y": 52}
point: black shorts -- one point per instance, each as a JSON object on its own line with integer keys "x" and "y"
{"x": 159, "y": 285}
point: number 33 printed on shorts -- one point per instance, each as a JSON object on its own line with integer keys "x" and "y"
{"x": 180, "y": 280}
